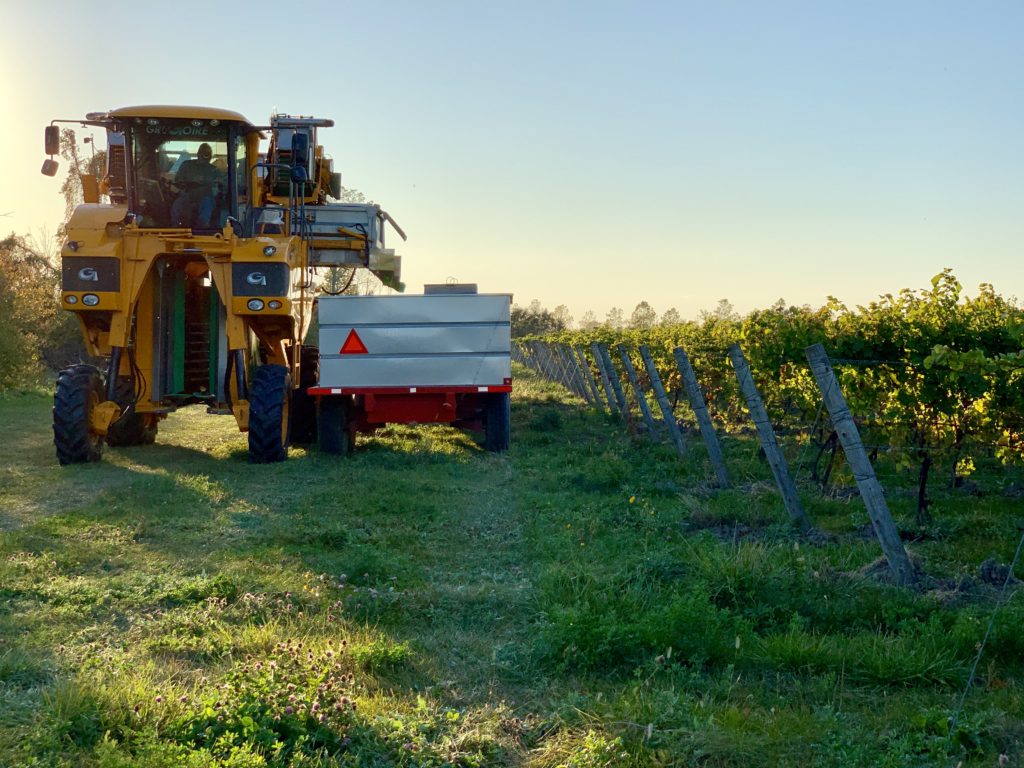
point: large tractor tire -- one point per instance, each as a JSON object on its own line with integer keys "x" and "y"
{"x": 79, "y": 391}
{"x": 270, "y": 397}
{"x": 335, "y": 435}
{"x": 132, "y": 428}
{"x": 497, "y": 422}
{"x": 304, "y": 406}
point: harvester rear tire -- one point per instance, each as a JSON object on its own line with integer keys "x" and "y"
{"x": 497, "y": 422}
{"x": 269, "y": 410}
{"x": 132, "y": 428}
{"x": 335, "y": 436}
{"x": 79, "y": 390}
{"x": 304, "y": 405}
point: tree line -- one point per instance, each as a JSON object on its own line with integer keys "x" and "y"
{"x": 534, "y": 319}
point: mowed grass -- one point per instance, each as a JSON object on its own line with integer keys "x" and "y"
{"x": 586, "y": 599}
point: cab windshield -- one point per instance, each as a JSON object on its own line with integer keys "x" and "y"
{"x": 183, "y": 172}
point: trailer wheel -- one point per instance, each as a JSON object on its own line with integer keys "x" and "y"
{"x": 497, "y": 422}
{"x": 269, "y": 411}
{"x": 304, "y": 405}
{"x": 132, "y": 428}
{"x": 79, "y": 391}
{"x": 334, "y": 434}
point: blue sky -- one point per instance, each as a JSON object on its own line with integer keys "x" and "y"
{"x": 594, "y": 154}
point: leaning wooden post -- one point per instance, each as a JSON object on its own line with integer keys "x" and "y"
{"x": 613, "y": 376}
{"x": 544, "y": 358}
{"x": 574, "y": 372}
{"x": 538, "y": 359}
{"x": 767, "y": 435}
{"x": 589, "y": 376}
{"x": 529, "y": 356}
{"x": 867, "y": 483}
{"x": 700, "y": 410}
{"x": 557, "y": 369}
{"x": 570, "y": 367}
{"x": 570, "y": 375}
{"x": 663, "y": 403}
{"x": 583, "y": 371}
{"x": 640, "y": 398}
{"x": 539, "y": 362}
{"x": 606, "y": 380}
{"x": 556, "y": 374}
{"x": 523, "y": 354}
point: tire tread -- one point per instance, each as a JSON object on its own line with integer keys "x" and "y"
{"x": 271, "y": 386}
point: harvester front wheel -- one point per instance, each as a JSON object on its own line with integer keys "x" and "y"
{"x": 269, "y": 414}
{"x": 334, "y": 433}
{"x": 132, "y": 428}
{"x": 79, "y": 391}
{"x": 497, "y": 422}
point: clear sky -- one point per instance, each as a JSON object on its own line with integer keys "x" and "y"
{"x": 593, "y": 154}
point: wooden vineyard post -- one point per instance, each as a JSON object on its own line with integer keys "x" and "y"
{"x": 558, "y": 372}
{"x": 663, "y": 403}
{"x": 539, "y": 360}
{"x": 574, "y": 372}
{"x": 700, "y": 410}
{"x": 767, "y": 436}
{"x": 549, "y": 363}
{"x": 529, "y": 356}
{"x": 867, "y": 483}
{"x": 589, "y": 376}
{"x": 558, "y": 365}
{"x": 613, "y": 377}
{"x": 640, "y": 399}
{"x": 543, "y": 364}
{"x": 605, "y": 378}
{"x": 524, "y": 356}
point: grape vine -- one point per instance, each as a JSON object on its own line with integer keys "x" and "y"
{"x": 932, "y": 376}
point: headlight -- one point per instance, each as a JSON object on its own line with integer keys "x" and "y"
{"x": 71, "y": 299}
{"x": 90, "y": 299}
{"x": 274, "y": 304}
{"x": 255, "y": 304}
{"x": 270, "y": 250}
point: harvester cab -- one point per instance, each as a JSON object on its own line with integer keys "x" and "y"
{"x": 193, "y": 266}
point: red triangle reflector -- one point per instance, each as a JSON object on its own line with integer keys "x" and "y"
{"x": 353, "y": 345}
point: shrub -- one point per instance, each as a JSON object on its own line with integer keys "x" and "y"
{"x": 38, "y": 336}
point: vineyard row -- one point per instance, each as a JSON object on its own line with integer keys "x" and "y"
{"x": 570, "y": 367}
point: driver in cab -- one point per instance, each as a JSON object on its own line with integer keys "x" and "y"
{"x": 197, "y": 181}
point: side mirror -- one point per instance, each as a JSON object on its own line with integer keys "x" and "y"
{"x": 52, "y": 141}
{"x": 50, "y": 167}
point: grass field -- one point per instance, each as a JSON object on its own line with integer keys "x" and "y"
{"x": 584, "y": 600}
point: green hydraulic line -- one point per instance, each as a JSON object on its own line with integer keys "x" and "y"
{"x": 178, "y": 336}
{"x": 214, "y": 336}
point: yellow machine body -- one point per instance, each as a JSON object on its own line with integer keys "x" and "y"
{"x": 187, "y": 291}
